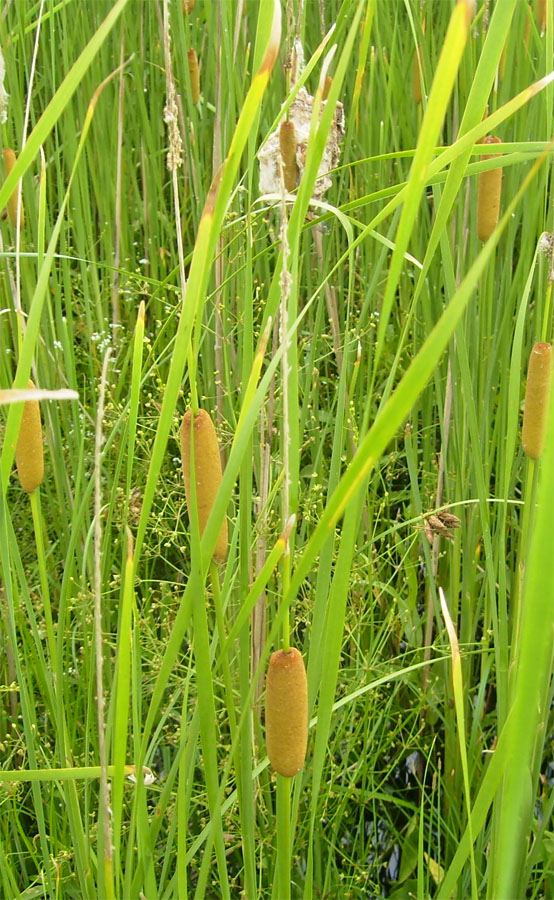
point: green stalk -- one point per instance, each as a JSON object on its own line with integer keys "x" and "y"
{"x": 34, "y": 498}
{"x": 122, "y": 696}
{"x": 530, "y": 696}
{"x": 283, "y": 880}
{"x": 220, "y": 624}
{"x": 530, "y": 495}
{"x": 546, "y": 321}
{"x": 285, "y": 576}
{"x": 28, "y": 711}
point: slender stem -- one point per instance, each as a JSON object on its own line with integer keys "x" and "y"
{"x": 174, "y": 161}
{"x": 545, "y": 328}
{"x": 529, "y": 495}
{"x": 283, "y": 837}
{"x": 286, "y": 583}
{"x": 105, "y": 842}
{"x": 194, "y": 405}
{"x": 182, "y": 817}
{"x": 44, "y": 589}
{"x": 218, "y": 608}
{"x": 286, "y": 437}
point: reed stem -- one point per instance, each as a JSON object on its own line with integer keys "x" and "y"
{"x": 220, "y": 624}
{"x": 44, "y": 588}
{"x": 283, "y": 837}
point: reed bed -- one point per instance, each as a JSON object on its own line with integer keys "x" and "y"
{"x": 291, "y": 562}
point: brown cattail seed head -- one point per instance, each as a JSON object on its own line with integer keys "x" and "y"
{"x": 537, "y": 394}
{"x": 194, "y": 76}
{"x": 29, "y": 457}
{"x": 286, "y": 712}
{"x": 488, "y": 196}
{"x": 287, "y": 145}
{"x": 208, "y": 472}
{"x": 416, "y": 76}
{"x": 9, "y": 163}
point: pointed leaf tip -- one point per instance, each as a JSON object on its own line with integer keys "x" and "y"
{"x": 469, "y": 9}
{"x": 272, "y": 48}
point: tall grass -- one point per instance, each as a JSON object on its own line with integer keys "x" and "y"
{"x": 363, "y": 356}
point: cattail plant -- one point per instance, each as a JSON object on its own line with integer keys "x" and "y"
{"x": 537, "y": 394}
{"x": 286, "y": 712}
{"x": 488, "y": 195}
{"x": 207, "y": 463}
{"x": 194, "y": 75}
{"x": 28, "y": 452}
{"x": 9, "y": 163}
{"x": 287, "y": 146}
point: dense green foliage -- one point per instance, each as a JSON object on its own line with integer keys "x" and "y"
{"x": 364, "y": 356}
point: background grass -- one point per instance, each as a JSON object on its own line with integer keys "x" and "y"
{"x": 407, "y": 350}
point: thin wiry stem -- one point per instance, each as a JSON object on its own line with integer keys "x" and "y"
{"x": 174, "y": 162}
{"x": 116, "y": 317}
{"x": 17, "y": 296}
{"x": 104, "y": 790}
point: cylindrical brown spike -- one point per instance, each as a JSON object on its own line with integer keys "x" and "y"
{"x": 29, "y": 457}
{"x": 208, "y": 472}
{"x": 194, "y": 75}
{"x": 287, "y": 145}
{"x": 489, "y": 191}
{"x": 537, "y": 394}
{"x": 9, "y": 163}
{"x": 286, "y": 712}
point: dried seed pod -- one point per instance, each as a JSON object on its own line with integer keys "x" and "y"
{"x": 416, "y": 76}
{"x": 537, "y": 394}
{"x": 286, "y": 712}
{"x": 440, "y": 524}
{"x": 29, "y": 457}
{"x": 208, "y": 472}
{"x": 194, "y": 75}
{"x": 9, "y": 163}
{"x": 287, "y": 146}
{"x": 488, "y": 195}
